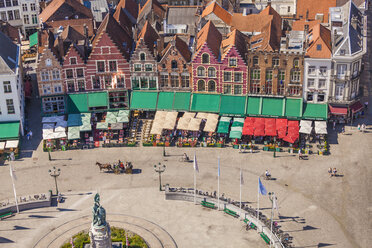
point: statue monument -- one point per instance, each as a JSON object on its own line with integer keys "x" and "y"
{"x": 99, "y": 233}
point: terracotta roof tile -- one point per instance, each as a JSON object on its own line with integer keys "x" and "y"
{"x": 59, "y": 9}
{"x": 10, "y": 31}
{"x": 235, "y": 39}
{"x": 210, "y": 35}
{"x": 314, "y": 7}
{"x": 320, "y": 43}
{"x": 130, "y": 5}
{"x": 299, "y": 25}
{"x": 117, "y": 34}
{"x": 122, "y": 18}
{"x": 151, "y": 5}
{"x": 149, "y": 36}
{"x": 181, "y": 46}
{"x": 215, "y": 8}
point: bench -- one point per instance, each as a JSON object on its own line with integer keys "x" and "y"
{"x": 265, "y": 238}
{"x": 246, "y": 221}
{"x": 6, "y": 215}
{"x": 230, "y": 212}
{"x": 208, "y": 204}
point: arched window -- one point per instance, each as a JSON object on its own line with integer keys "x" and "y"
{"x": 201, "y": 71}
{"x": 174, "y": 64}
{"x": 142, "y": 56}
{"x": 255, "y": 60}
{"x": 201, "y": 85}
{"x": 296, "y": 62}
{"x": 211, "y": 72}
{"x": 211, "y": 86}
{"x": 205, "y": 58}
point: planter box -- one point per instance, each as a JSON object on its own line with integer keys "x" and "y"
{"x": 159, "y": 144}
{"x": 219, "y": 145}
{"x": 146, "y": 144}
{"x": 236, "y": 146}
{"x": 131, "y": 144}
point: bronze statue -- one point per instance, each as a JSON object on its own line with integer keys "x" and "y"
{"x": 99, "y": 213}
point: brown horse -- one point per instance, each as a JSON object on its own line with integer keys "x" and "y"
{"x": 104, "y": 166}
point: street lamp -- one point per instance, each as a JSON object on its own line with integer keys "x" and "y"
{"x": 159, "y": 169}
{"x": 272, "y": 198}
{"x": 55, "y": 173}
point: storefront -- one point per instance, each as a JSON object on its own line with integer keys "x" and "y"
{"x": 9, "y": 139}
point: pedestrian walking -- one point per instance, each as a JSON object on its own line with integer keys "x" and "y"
{"x": 334, "y": 171}
{"x": 299, "y": 154}
{"x": 366, "y": 104}
{"x": 358, "y": 127}
{"x": 330, "y": 171}
{"x": 334, "y": 125}
{"x": 363, "y": 127}
{"x": 343, "y": 130}
{"x": 30, "y": 133}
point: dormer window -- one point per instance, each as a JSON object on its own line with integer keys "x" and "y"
{"x": 232, "y": 62}
{"x": 174, "y": 64}
{"x": 72, "y": 61}
{"x": 319, "y": 47}
{"x": 205, "y": 58}
{"x": 142, "y": 56}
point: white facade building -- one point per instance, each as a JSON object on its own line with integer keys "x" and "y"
{"x": 10, "y": 12}
{"x": 283, "y": 7}
{"x": 11, "y": 83}
{"x": 30, "y": 13}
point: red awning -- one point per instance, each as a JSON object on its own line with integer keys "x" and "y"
{"x": 282, "y": 132}
{"x": 293, "y": 124}
{"x": 259, "y": 132}
{"x": 356, "y": 107}
{"x": 259, "y": 122}
{"x": 270, "y": 127}
{"x": 290, "y": 139}
{"x": 248, "y": 126}
{"x": 281, "y": 123}
{"x": 337, "y": 110}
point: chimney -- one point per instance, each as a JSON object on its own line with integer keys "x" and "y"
{"x": 135, "y": 27}
{"x": 307, "y": 15}
{"x": 244, "y": 12}
{"x": 61, "y": 49}
{"x": 156, "y": 50}
{"x": 306, "y": 31}
{"x": 86, "y": 31}
{"x": 268, "y": 3}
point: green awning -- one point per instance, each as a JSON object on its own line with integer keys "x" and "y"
{"x": 232, "y": 105}
{"x": 97, "y": 99}
{"x": 272, "y": 106}
{"x": 33, "y": 39}
{"x": 205, "y": 103}
{"x": 223, "y": 125}
{"x": 254, "y": 105}
{"x": 9, "y": 130}
{"x": 235, "y": 133}
{"x": 77, "y": 103}
{"x": 144, "y": 100}
{"x": 315, "y": 111}
{"x": 182, "y": 101}
{"x": 293, "y": 108}
{"x": 74, "y": 120}
{"x": 238, "y": 122}
{"x": 165, "y": 101}
{"x": 73, "y": 133}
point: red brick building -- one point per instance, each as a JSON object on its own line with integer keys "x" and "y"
{"x": 108, "y": 63}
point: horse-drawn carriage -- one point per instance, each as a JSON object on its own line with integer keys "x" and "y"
{"x": 117, "y": 168}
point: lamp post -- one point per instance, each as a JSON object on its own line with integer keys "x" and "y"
{"x": 55, "y": 173}
{"x": 159, "y": 169}
{"x": 272, "y": 198}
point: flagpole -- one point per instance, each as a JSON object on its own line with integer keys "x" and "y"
{"x": 272, "y": 212}
{"x": 240, "y": 198}
{"x": 194, "y": 178}
{"x": 258, "y": 200}
{"x": 218, "y": 185}
{"x": 14, "y": 189}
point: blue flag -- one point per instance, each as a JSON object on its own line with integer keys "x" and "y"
{"x": 261, "y": 189}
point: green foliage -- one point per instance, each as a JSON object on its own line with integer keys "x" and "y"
{"x": 117, "y": 235}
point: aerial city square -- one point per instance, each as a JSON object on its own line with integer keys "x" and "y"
{"x": 185, "y": 123}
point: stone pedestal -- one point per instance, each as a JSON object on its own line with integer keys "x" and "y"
{"x": 100, "y": 237}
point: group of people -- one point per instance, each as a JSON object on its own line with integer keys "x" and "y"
{"x": 332, "y": 172}
{"x": 362, "y": 127}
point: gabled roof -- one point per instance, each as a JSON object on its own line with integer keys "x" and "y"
{"x": 70, "y": 34}
{"x": 314, "y": 7}
{"x": 8, "y": 55}
{"x": 299, "y": 25}
{"x": 78, "y": 50}
{"x": 124, "y": 20}
{"x": 117, "y": 34}
{"x": 234, "y": 39}
{"x": 130, "y": 6}
{"x": 320, "y": 43}
{"x": 211, "y": 36}
{"x": 10, "y": 31}
{"x": 215, "y": 8}
{"x": 59, "y": 9}
{"x": 181, "y": 46}
{"x": 148, "y": 35}
{"x": 151, "y": 6}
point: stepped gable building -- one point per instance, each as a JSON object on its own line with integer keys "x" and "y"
{"x": 50, "y": 80}
{"x": 143, "y": 63}
{"x": 206, "y": 60}
{"x": 63, "y": 13}
{"x": 153, "y": 12}
{"x": 317, "y": 65}
{"x": 175, "y": 66}
{"x": 233, "y": 64}
{"x": 108, "y": 63}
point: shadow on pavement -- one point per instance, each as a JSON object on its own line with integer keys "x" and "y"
{"x": 5, "y": 240}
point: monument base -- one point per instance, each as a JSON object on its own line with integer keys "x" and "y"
{"x": 100, "y": 237}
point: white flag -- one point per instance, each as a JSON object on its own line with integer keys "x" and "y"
{"x": 12, "y": 174}
{"x": 241, "y": 177}
{"x": 196, "y": 168}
